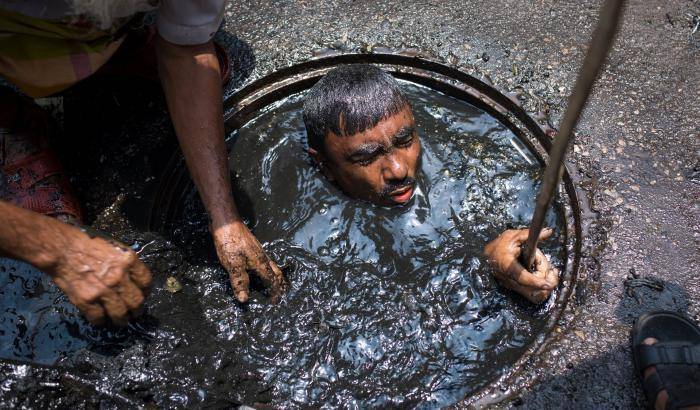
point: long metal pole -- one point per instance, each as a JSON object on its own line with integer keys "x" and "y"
{"x": 602, "y": 40}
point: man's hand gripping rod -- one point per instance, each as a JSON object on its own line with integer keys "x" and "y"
{"x": 602, "y": 40}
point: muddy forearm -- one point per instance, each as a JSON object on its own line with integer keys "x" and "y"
{"x": 33, "y": 238}
{"x": 191, "y": 79}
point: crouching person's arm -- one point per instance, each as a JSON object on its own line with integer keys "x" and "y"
{"x": 190, "y": 76}
{"x": 503, "y": 255}
{"x": 103, "y": 279}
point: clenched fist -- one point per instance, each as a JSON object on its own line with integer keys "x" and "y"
{"x": 103, "y": 279}
{"x": 503, "y": 253}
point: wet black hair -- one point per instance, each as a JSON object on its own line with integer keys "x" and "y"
{"x": 350, "y": 99}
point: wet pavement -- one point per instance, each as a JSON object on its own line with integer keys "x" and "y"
{"x": 637, "y": 150}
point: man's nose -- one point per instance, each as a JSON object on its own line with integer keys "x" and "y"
{"x": 394, "y": 169}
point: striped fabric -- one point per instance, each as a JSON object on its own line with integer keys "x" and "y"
{"x": 43, "y": 57}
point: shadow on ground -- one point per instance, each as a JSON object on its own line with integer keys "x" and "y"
{"x": 580, "y": 385}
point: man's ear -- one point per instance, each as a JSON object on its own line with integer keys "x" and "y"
{"x": 315, "y": 155}
{"x": 321, "y": 162}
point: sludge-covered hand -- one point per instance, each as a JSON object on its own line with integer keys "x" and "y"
{"x": 240, "y": 252}
{"x": 103, "y": 279}
{"x": 503, "y": 255}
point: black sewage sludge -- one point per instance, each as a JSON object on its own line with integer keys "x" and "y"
{"x": 385, "y": 306}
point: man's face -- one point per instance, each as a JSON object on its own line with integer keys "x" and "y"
{"x": 379, "y": 164}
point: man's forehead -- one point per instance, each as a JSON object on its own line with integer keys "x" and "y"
{"x": 385, "y": 129}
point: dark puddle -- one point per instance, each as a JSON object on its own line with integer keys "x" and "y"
{"x": 385, "y": 307}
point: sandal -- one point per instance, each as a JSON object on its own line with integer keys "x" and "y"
{"x": 137, "y": 57}
{"x": 676, "y": 358}
{"x": 35, "y": 179}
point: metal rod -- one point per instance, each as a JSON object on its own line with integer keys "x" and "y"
{"x": 600, "y": 45}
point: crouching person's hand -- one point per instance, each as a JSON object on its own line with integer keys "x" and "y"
{"x": 503, "y": 253}
{"x": 103, "y": 279}
{"x": 240, "y": 252}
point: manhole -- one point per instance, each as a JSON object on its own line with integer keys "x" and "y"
{"x": 368, "y": 374}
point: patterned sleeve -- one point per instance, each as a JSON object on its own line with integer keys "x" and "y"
{"x": 189, "y": 22}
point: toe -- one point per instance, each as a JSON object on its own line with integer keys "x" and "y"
{"x": 662, "y": 397}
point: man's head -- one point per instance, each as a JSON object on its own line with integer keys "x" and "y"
{"x": 361, "y": 132}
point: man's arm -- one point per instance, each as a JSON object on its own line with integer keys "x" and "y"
{"x": 102, "y": 279}
{"x": 190, "y": 76}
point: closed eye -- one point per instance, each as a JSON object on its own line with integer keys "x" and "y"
{"x": 404, "y": 141}
{"x": 366, "y": 160}
{"x": 366, "y": 154}
{"x": 404, "y": 137}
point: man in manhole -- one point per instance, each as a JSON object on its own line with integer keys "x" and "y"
{"x": 362, "y": 135}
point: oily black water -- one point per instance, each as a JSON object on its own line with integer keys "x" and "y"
{"x": 385, "y": 306}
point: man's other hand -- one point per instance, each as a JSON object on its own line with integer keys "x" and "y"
{"x": 503, "y": 253}
{"x": 239, "y": 252}
{"x": 103, "y": 279}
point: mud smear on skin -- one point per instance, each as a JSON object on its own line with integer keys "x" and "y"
{"x": 385, "y": 307}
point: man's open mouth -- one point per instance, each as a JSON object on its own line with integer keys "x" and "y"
{"x": 402, "y": 195}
